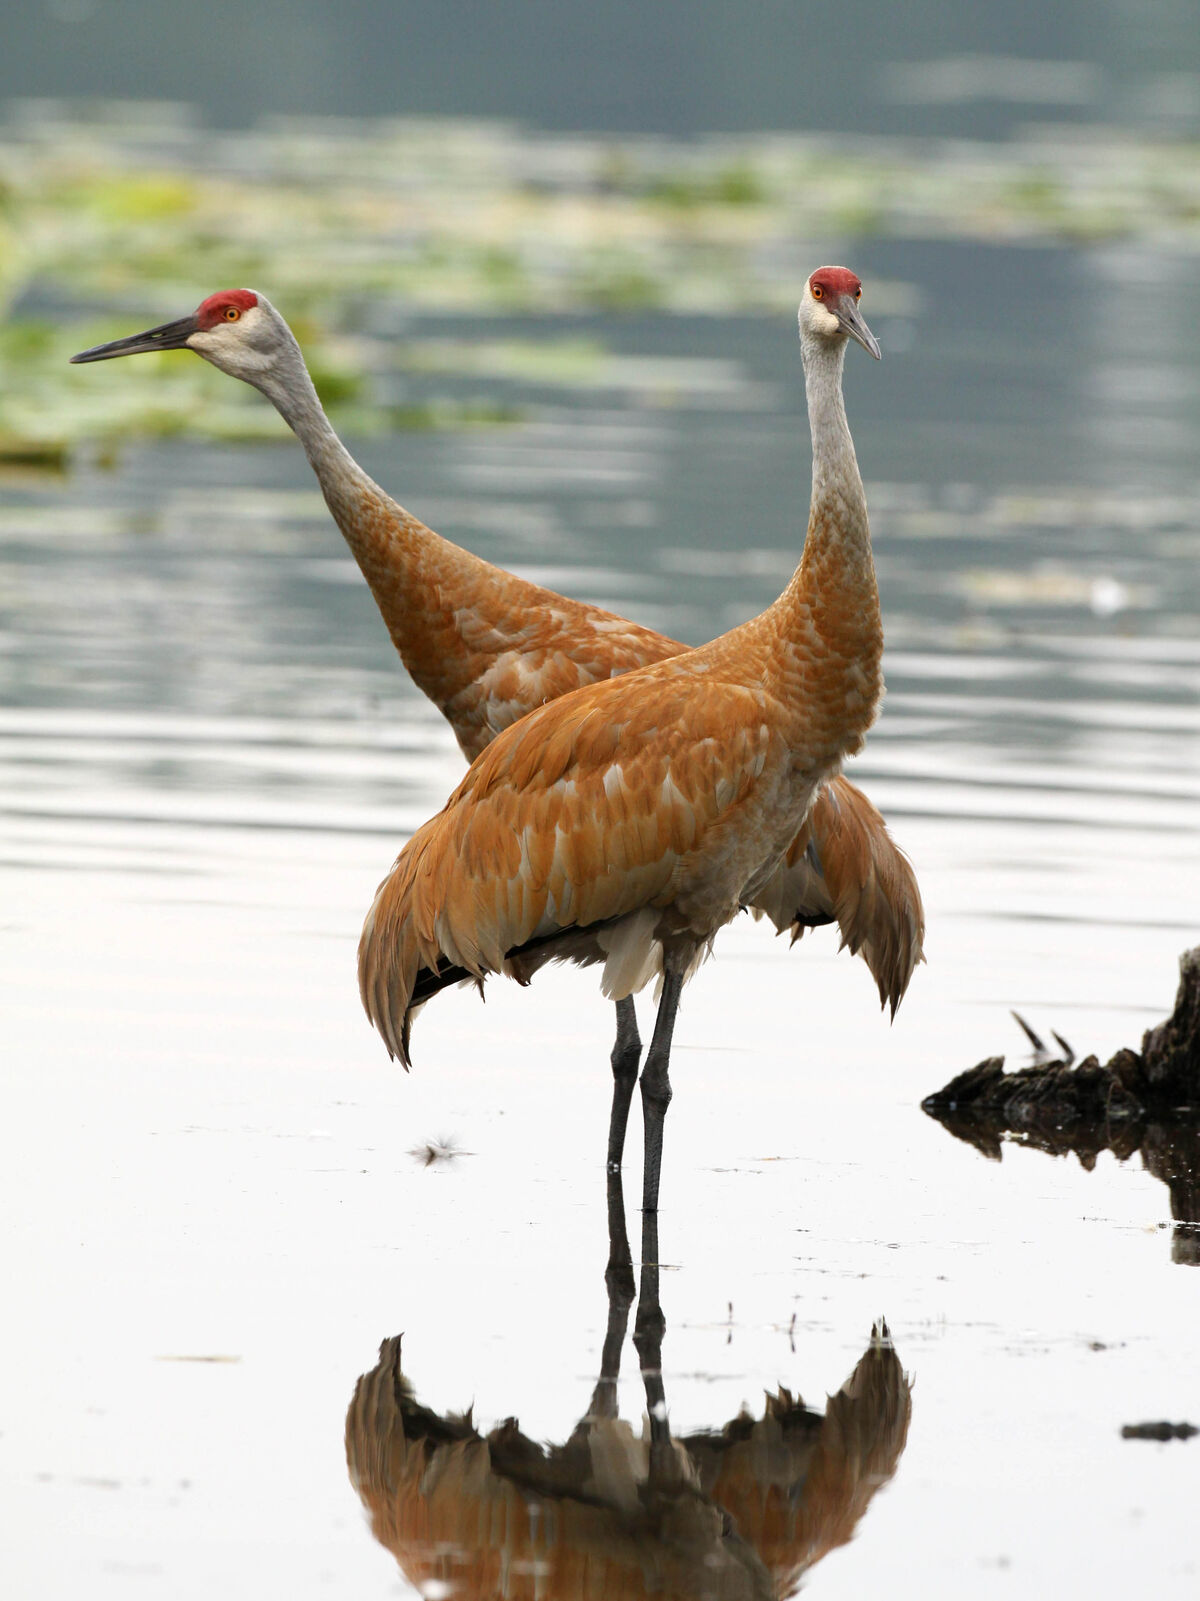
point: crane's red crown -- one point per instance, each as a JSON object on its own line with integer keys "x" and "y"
{"x": 835, "y": 281}
{"x": 217, "y": 307}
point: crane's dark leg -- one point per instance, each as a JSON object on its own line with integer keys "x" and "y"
{"x": 648, "y": 1330}
{"x": 626, "y": 1054}
{"x": 618, "y": 1278}
{"x": 656, "y": 1085}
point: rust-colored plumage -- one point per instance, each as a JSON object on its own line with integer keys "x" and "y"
{"x": 844, "y": 867}
{"x": 627, "y": 816}
{"x": 628, "y": 821}
{"x": 488, "y": 647}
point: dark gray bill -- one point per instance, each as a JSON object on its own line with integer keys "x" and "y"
{"x": 851, "y": 319}
{"x": 168, "y": 336}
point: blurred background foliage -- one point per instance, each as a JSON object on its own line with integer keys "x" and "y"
{"x": 363, "y": 163}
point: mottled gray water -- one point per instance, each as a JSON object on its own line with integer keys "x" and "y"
{"x": 979, "y": 71}
{"x": 209, "y": 756}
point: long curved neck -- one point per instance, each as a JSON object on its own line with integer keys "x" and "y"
{"x": 837, "y": 548}
{"x": 346, "y": 487}
{"x": 826, "y": 624}
{"x": 443, "y": 607}
{"x": 406, "y": 565}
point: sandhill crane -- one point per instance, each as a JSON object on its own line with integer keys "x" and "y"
{"x": 745, "y": 1510}
{"x": 628, "y": 821}
{"x": 488, "y": 647}
{"x": 483, "y": 644}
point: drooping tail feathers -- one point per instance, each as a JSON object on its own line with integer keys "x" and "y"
{"x": 845, "y": 867}
{"x": 563, "y": 839}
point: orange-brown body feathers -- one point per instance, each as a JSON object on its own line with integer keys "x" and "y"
{"x": 629, "y": 820}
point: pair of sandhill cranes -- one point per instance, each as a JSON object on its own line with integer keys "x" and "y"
{"x": 627, "y": 796}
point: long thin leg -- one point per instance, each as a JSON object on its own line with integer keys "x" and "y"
{"x": 656, "y": 1085}
{"x": 626, "y": 1054}
{"x": 649, "y": 1327}
{"x": 618, "y": 1279}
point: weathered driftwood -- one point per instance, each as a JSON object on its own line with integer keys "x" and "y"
{"x": 1171, "y": 1052}
{"x": 1145, "y": 1101}
{"x": 1159, "y": 1431}
{"x": 1051, "y": 1098}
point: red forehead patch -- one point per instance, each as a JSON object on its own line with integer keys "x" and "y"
{"x": 212, "y": 311}
{"x": 836, "y": 280}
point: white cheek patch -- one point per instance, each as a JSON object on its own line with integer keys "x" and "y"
{"x": 815, "y": 315}
{"x": 224, "y": 338}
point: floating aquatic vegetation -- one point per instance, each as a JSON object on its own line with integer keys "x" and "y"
{"x": 585, "y": 365}
{"x": 42, "y": 455}
{"x": 1051, "y": 584}
{"x": 46, "y": 407}
{"x": 140, "y": 208}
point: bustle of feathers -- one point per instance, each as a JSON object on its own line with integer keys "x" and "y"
{"x": 583, "y": 834}
{"x": 489, "y": 648}
{"x": 844, "y": 867}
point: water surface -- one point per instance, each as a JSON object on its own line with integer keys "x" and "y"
{"x": 208, "y": 758}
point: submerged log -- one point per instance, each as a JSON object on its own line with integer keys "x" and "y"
{"x": 1159, "y": 1431}
{"x": 1160, "y": 1080}
{"x": 1171, "y": 1052}
{"x": 1145, "y": 1101}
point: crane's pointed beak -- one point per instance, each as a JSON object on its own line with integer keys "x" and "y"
{"x": 851, "y": 319}
{"x": 168, "y": 336}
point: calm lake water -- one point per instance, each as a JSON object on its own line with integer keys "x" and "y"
{"x": 208, "y": 758}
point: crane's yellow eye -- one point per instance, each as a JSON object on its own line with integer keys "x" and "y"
{"x": 858, "y": 294}
{"x": 232, "y": 314}
{"x": 817, "y": 292}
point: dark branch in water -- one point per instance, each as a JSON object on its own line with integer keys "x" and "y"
{"x": 1158, "y": 1431}
{"x": 1147, "y": 1101}
{"x": 1160, "y": 1080}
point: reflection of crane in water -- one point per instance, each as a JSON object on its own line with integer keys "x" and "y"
{"x": 743, "y": 1511}
{"x": 488, "y": 647}
{"x": 626, "y": 823}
